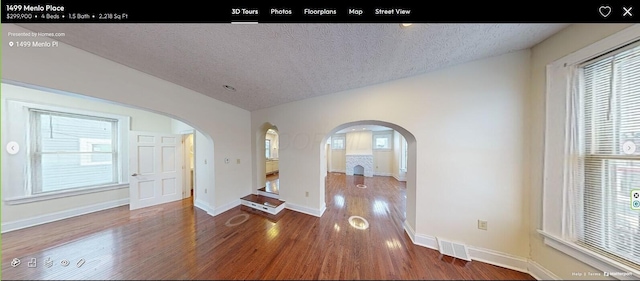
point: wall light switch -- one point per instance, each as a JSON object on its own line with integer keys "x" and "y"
{"x": 238, "y": 161}
{"x": 482, "y": 225}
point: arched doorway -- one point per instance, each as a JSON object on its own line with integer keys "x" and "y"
{"x": 353, "y": 143}
{"x": 268, "y": 167}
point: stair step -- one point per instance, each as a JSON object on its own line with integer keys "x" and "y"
{"x": 263, "y": 203}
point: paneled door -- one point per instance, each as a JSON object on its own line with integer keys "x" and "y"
{"x": 156, "y": 169}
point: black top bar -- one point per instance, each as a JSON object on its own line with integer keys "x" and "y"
{"x": 442, "y": 11}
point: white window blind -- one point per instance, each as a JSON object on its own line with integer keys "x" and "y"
{"x": 267, "y": 148}
{"x": 404, "y": 155}
{"x": 70, "y": 151}
{"x": 604, "y": 220}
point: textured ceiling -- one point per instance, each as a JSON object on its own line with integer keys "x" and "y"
{"x": 272, "y": 64}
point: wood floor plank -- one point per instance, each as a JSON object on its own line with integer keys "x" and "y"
{"x": 178, "y": 241}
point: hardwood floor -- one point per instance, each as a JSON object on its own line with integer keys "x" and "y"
{"x": 178, "y": 241}
{"x": 272, "y": 184}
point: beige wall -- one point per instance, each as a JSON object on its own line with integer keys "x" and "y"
{"x": 358, "y": 143}
{"x": 72, "y": 70}
{"x": 361, "y": 143}
{"x": 480, "y": 121}
{"x": 398, "y": 141}
{"x": 563, "y": 43}
{"x": 383, "y": 158}
{"x": 338, "y": 159}
{"x": 382, "y": 162}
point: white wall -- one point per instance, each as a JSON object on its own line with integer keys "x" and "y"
{"x": 469, "y": 123}
{"x": 569, "y": 40}
{"x": 141, "y": 120}
{"x": 178, "y": 127}
{"x": 72, "y": 70}
{"x": 358, "y": 143}
{"x": 12, "y": 166}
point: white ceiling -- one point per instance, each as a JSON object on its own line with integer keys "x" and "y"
{"x": 272, "y": 64}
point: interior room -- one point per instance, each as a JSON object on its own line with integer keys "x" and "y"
{"x": 321, "y": 151}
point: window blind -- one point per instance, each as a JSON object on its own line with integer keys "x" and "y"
{"x": 72, "y": 151}
{"x": 605, "y": 221}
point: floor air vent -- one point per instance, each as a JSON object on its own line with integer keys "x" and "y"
{"x": 455, "y": 250}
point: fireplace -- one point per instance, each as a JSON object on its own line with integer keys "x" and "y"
{"x": 365, "y": 161}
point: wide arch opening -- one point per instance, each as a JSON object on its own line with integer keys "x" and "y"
{"x": 356, "y": 140}
{"x": 192, "y": 142}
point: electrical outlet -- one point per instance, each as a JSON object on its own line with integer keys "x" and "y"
{"x": 306, "y": 194}
{"x": 238, "y": 161}
{"x": 482, "y": 225}
{"x": 205, "y": 190}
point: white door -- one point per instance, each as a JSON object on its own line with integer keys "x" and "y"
{"x": 156, "y": 169}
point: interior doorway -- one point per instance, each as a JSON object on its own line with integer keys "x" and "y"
{"x": 372, "y": 160}
{"x": 189, "y": 143}
{"x": 272, "y": 164}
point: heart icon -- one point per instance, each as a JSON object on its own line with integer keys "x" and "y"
{"x": 605, "y": 11}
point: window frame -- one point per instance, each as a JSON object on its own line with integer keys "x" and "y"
{"x": 382, "y": 135}
{"x": 267, "y": 148}
{"x": 404, "y": 154}
{"x": 338, "y": 137}
{"x": 17, "y": 171}
{"x": 36, "y": 156}
{"x": 554, "y": 216}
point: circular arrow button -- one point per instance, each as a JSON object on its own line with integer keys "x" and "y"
{"x": 629, "y": 147}
{"x": 13, "y": 147}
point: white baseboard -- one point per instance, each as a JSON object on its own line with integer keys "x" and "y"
{"x": 499, "y": 258}
{"x": 399, "y": 178}
{"x": 420, "y": 239}
{"x": 540, "y": 273}
{"x": 322, "y": 209}
{"x": 203, "y": 206}
{"x": 487, "y": 256}
{"x": 427, "y": 241}
{"x": 338, "y": 171}
{"x": 410, "y": 232}
{"x": 383, "y": 174}
{"x": 226, "y": 207}
{"x": 306, "y": 210}
{"x": 42, "y": 219}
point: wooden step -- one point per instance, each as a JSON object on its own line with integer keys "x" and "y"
{"x": 263, "y": 203}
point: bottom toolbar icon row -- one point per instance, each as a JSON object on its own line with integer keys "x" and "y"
{"x": 47, "y": 263}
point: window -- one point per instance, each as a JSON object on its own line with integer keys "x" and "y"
{"x": 403, "y": 155}
{"x": 608, "y": 165}
{"x": 70, "y": 151}
{"x": 382, "y": 141}
{"x": 267, "y": 148}
{"x": 337, "y": 142}
{"x": 591, "y": 108}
